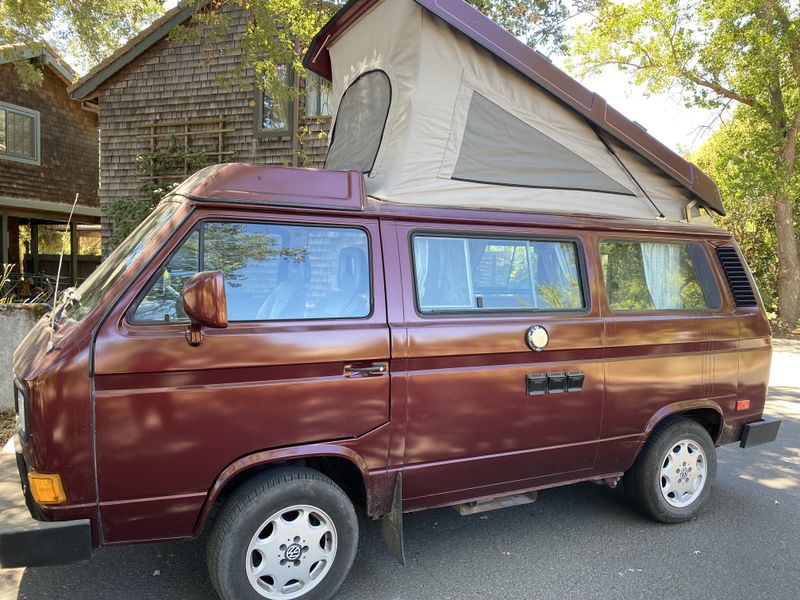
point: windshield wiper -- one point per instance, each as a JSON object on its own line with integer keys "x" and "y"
{"x": 70, "y": 297}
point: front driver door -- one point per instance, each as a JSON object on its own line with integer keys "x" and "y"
{"x": 304, "y": 316}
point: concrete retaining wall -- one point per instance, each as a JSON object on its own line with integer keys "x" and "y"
{"x": 15, "y": 322}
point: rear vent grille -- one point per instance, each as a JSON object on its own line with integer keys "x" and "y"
{"x": 736, "y": 274}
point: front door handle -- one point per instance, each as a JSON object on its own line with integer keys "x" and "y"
{"x": 369, "y": 370}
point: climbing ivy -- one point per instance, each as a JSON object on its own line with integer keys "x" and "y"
{"x": 158, "y": 168}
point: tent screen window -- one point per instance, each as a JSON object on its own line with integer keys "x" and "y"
{"x": 485, "y": 274}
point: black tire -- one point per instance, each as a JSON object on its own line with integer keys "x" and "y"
{"x": 643, "y": 482}
{"x": 245, "y": 513}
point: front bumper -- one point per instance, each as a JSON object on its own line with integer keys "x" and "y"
{"x": 27, "y": 542}
{"x": 37, "y": 544}
{"x": 759, "y": 432}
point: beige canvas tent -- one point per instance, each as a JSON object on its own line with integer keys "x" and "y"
{"x": 438, "y": 105}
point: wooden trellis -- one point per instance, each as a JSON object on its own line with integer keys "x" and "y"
{"x": 208, "y": 133}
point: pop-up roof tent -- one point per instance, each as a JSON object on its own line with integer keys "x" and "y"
{"x": 438, "y": 105}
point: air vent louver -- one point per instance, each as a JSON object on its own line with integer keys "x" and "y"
{"x": 736, "y": 273}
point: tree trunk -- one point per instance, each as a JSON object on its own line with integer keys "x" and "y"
{"x": 788, "y": 262}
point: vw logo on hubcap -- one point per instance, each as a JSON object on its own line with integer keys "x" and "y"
{"x": 293, "y": 552}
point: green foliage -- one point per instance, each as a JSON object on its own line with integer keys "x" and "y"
{"x": 125, "y": 214}
{"x": 715, "y": 50}
{"x": 157, "y": 167}
{"x": 739, "y": 156}
{"x": 626, "y": 277}
{"x": 165, "y": 160}
{"x": 280, "y": 31}
{"x": 540, "y": 23}
{"x": 89, "y": 30}
{"x": 228, "y": 247}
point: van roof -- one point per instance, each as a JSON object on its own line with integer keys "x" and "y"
{"x": 293, "y": 188}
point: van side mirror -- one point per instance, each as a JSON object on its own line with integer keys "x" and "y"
{"x": 205, "y": 304}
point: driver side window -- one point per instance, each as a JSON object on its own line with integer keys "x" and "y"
{"x": 163, "y": 302}
{"x": 272, "y": 272}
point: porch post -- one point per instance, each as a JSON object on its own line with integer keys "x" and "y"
{"x": 73, "y": 253}
{"x": 35, "y": 246}
{"x": 3, "y": 238}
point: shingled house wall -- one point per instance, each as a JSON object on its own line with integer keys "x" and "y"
{"x": 175, "y": 81}
{"x": 68, "y": 133}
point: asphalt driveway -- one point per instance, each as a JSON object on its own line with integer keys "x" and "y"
{"x": 576, "y": 542}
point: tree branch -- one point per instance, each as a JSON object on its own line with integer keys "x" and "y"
{"x": 786, "y": 25}
{"x": 789, "y": 149}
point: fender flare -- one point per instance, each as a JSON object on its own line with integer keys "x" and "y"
{"x": 673, "y": 409}
{"x": 273, "y": 456}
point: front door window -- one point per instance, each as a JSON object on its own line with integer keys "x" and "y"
{"x": 272, "y": 272}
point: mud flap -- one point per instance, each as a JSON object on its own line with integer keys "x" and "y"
{"x": 392, "y": 523}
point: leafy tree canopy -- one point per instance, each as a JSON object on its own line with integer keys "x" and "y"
{"x": 720, "y": 53}
{"x": 742, "y": 55}
{"x": 87, "y": 29}
{"x": 280, "y": 31}
{"x": 741, "y": 157}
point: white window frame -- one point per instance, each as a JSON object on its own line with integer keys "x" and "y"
{"x": 27, "y": 112}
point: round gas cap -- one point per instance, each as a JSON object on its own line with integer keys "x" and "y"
{"x": 537, "y": 338}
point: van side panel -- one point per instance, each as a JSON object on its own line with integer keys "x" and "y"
{"x": 471, "y": 428}
{"x": 658, "y": 363}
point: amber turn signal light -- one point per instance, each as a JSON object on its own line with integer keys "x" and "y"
{"x": 742, "y": 405}
{"x": 47, "y": 489}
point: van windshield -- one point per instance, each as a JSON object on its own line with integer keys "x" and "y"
{"x": 112, "y": 268}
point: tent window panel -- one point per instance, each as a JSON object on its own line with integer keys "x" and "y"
{"x": 360, "y": 122}
{"x": 459, "y": 274}
{"x": 500, "y": 149}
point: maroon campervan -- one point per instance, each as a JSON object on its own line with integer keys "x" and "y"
{"x": 275, "y": 347}
{"x": 348, "y": 390}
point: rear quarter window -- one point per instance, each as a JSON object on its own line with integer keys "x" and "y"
{"x": 657, "y": 276}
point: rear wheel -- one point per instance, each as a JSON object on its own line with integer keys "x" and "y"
{"x": 289, "y": 534}
{"x": 673, "y": 475}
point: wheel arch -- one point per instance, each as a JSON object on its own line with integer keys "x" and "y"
{"x": 344, "y": 466}
{"x": 707, "y": 414}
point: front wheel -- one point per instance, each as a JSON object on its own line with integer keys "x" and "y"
{"x": 672, "y": 477}
{"x": 289, "y": 534}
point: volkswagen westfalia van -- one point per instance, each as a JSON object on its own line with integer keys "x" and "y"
{"x": 271, "y": 349}
{"x": 497, "y": 285}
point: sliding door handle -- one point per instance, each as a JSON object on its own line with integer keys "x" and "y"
{"x": 368, "y": 370}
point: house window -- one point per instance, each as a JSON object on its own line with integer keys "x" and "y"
{"x": 318, "y": 96}
{"x": 273, "y": 114}
{"x": 19, "y": 134}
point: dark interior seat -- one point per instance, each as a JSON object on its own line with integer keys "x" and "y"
{"x": 288, "y": 299}
{"x": 351, "y": 298}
